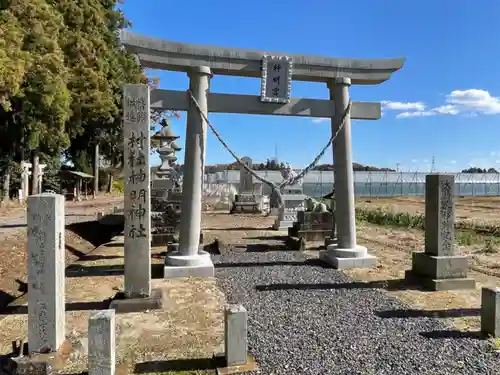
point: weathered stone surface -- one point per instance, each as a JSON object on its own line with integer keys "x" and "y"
{"x": 235, "y": 335}
{"x": 246, "y": 179}
{"x": 315, "y": 220}
{"x": 102, "y": 345}
{"x": 137, "y": 203}
{"x": 246, "y": 203}
{"x": 439, "y": 214}
{"x": 46, "y": 255}
{"x": 443, "y": 267}
{"x": 438, "y": 268}
{"x": 490, "y": 311}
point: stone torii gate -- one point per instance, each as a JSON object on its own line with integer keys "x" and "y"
{"x": 201, "y": 63}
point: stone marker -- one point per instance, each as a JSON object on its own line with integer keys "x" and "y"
{"x": 235, "y": 335}
{"x": 137, "y": 203}
{"x": 102, "y": 346}
{"x": 46, "y": 255}
{"x": 246, "y": 179}
{"x": 490, "y": 311}
{"x": 437, "y": 268}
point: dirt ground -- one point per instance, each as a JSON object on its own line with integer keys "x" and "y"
{"x": 191, "y": 325}
{"x": 482, "y": 209}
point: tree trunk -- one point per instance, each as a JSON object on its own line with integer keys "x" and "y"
{"x": 34, "y": 173}
{"x": 6, "y": 184}
{"x": 96, "y": 169}
{"x": 110, "y": 182}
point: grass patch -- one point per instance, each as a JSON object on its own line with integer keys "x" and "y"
{"x": 494, "y": 344}
{"x": 467, "y": 232}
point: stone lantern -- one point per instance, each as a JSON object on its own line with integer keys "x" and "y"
{"x": 164, "y": 140}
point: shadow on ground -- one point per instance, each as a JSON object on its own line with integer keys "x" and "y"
{"x": 268, "y": 238}
{"x": 453, "y": 334}
{"x": 82, "y": 257}
{"x": 264, "y": 247}
{"x": 70, "y": 306}
{"x": 389, "y": 285}
{"x": 178, "y": 365}
{"x": 410, "y": 313}
{"x": 95, "y": 233}
{"x": 78, "y": 270}
{"x": 8, "y": 226}
{"x": 240, "y": 229}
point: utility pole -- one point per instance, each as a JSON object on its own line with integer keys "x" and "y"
{"x": 433, "y": 164}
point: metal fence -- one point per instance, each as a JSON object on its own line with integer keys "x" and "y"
{"x": 375, "y": 184}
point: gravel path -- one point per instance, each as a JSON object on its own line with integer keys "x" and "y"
{"x": 328, "y": 328}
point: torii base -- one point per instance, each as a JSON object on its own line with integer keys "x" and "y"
{"x": 180, "y": 265}
{"x": 347, "y": 258}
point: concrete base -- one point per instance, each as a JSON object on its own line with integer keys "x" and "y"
{"x": 437, "y": 285}
{"x": 251, "y": 365}
{"x": 347, "y": 258}
{"x": 440, "y": 273}
{"x": 179, "y": 265}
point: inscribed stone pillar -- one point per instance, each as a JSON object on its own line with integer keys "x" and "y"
{"x": 235, "y": 335}
{"x": 102, "y": 343}
{"x": 46, "y": 255}
{"x": 439, "y": 214}
{"x": 345, "y": 253}
{"x": 189, "y": 260}
{"x": 246, "y": 180}
{"x": 137, "y": 204}
{"x": 438, "y": 268}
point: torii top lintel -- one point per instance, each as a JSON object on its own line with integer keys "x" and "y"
{"x": 158, "y": 53}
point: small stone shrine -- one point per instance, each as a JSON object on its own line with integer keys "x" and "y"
{"x": 438, "y": 268}
{"x": 315, "y": 223}
{"x": 166, "y": 190}
{"x": 249, "y": 197}
{"x": 293, "y": 202}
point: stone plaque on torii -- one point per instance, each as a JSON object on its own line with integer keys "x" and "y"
{"x": 201, "y": 62}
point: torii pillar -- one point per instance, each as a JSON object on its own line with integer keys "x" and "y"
{"x": 189, "y": 260}
{"x": 345, "y": 252}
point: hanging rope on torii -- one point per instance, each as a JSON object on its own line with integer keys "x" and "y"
{"x": 293, "y": 178}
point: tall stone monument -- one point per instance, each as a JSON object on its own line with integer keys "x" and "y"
{"x": 46, "y": 304}
{"x": 438, "y": 268}
{"x": 137, "y": 203}
{"x": 249, "y": 197}
{"x": 246, "y": 179}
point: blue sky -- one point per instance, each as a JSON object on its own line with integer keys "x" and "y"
{"x": 444, "y": 103}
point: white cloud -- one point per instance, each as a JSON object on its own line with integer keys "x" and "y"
{"x": 319, "y": 120}
{"x": 471, "y": 102}
{"x": 400, "y": 106}
{"x": 415, "y": 114}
